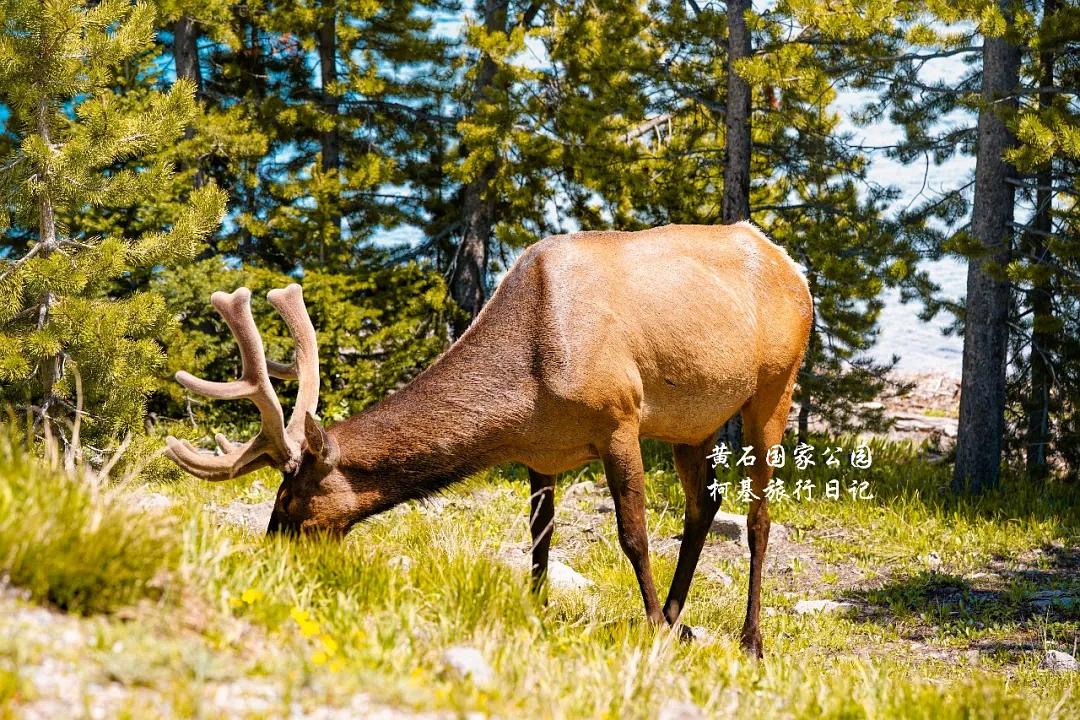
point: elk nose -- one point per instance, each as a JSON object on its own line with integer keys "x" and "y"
{"x": 280, "y": 523}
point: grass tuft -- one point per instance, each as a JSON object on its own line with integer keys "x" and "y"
{"x": 71, "y": 544}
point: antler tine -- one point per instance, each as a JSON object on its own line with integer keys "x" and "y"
{"x": 246, "y": 457}
{"x": 289, "y": 302}
{"x": 272, "y": 445}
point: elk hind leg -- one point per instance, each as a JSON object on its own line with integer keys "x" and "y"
{"x": 695, "y": 474}
{"x": 764, "y": 419}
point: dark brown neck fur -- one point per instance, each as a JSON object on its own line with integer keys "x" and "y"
{"x": 452, "y": 420}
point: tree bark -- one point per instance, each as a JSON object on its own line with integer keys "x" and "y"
{"x": 331, "y": 148}
{"x": 735, "y": 204}
{"x": 986, "y": 330}
{"x": 186, "y": 60}
{"x": 328, "y": 76}
{"x": 51, "y": 368}
{"x": 736, "y": 199}
{"x": 1038, "y": 405}
{"x": 470, "y": 264}
{"x": 186, "y": 52}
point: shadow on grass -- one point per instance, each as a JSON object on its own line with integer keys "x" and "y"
{"x": 1028, "y": 604}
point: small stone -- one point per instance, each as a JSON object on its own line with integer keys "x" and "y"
{"x": 607, "y": 505}
{"x": 733, "y": 527}
{"x": 729, "y": 525}
{"x": 402, "y": 562}
{"x": 770, "y": 612}
{"x": 468, "y": 663}
{"x": 1059, "y": 661}
{"x": 933, "y": 561}
{"x": 807, "y": 607}
{"x": 562, "y": 576}
{"x": 679, "y": 710}
{"x": 717, "y": 575}
{"x": 150, "y": 501}
{"x": 582, "y": 488}
{"x": 700, "y": 633}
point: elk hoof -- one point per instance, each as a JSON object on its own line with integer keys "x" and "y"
{"x": 752, "y": 646}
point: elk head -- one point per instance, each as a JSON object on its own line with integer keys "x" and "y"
{"x": 314, "y": 493}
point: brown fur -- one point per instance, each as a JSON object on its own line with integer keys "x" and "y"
{"x": 591, "y": 341}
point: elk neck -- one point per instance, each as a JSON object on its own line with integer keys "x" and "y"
{"x": 455, "y": 418}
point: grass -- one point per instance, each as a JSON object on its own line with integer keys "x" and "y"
{"x": 74, "y": 545}
{"x": 312, "y": 623}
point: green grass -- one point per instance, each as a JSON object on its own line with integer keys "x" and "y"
{"x": 323, "y": 621}
{"x": 74, "y": 545}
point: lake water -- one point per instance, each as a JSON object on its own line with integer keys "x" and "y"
{"x": 921, "y": 345}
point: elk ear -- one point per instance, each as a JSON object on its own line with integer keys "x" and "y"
{"x": 319, "y": 443}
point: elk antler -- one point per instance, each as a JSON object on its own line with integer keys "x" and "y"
{"x": 275, "y": 444}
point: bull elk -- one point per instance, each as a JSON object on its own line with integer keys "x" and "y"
{"x": 591, "y": 341}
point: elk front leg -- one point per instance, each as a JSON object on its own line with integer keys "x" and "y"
{"x": 695, "y": 473}
{"x": 541, "y": 523}
{"x": 626, "y": 478}
{"x": 764, "y": 418}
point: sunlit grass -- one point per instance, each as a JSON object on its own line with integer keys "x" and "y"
{"x": 74, "y": 545}
{"x": 323, "y": 620}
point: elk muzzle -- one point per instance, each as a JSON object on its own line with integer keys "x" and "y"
{"x": 282, "y": 524}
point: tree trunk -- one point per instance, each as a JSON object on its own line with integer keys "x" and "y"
{"x": 186, "y": 52}
{"x": 986, "y": 330}
{"x": 331, "y": 152}
{"x": 736, "y": 200}
{"x": 735, "y": 204}
{"x": 186, "y": 59}
{"x": 1038, "y": 410}
{"x": 468, "y": 279}
{"x": 51, "y": 368}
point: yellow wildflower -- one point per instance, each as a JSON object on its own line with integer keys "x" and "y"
{"x": 318, "y": 658}
{"x": 235, "y": 602}
{"x": 252, "y": 595}
{"x": 329, "y": 644}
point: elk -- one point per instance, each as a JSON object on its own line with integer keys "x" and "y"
{"x": 591, "y": 341}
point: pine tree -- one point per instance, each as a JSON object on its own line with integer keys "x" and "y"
{"x": 1022, "y": 275}
{"x": 64, "y": 331}
{"x": 343, "y": 97}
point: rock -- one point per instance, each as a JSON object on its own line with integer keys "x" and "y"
{"x": 1059, "y": 662}
{"x": 1044, "y": 599}
{"x": 401, "y": 562}
{"x": 150, "y": 501}
{"x": 933, "y": 561}
{"x": 562, "y": 576}
{"x": 582, "y": 488}
{"x": 808, "y": 607}
{"x": 770, "y": 612}
{"x": 607, "y": 505}
{"x": 729, "y": 525}
{"x": 873, "y": 405}
{"x": 717, "y": 575}
{"x": 250, "y": 516}
{"x": 679, "y": 710}
{"x": 467, "y": 663}
{"x": 700, "y": 633}
{"x": 733, "y": 527}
